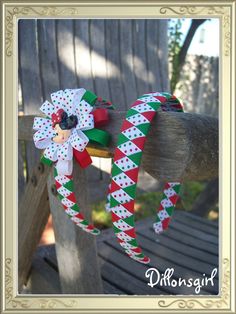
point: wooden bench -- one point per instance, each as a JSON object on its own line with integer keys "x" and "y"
{"x": 52, "y": 55}
{"x": 190, "y": 246}
{"x": 77, "y": 248}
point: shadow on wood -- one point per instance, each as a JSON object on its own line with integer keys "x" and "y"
{"x": 180, "y": 146}
{"x": 190, "y": 245}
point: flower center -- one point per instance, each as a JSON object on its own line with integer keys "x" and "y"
{"x": 62, "y": 124}
{"x": 61, "y": 135}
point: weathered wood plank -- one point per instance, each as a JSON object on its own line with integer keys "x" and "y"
{"x": 113, "y": 63}
{"x": 192, "y": 241}
{"x": 170, "y": 253}
{"x": 145, "y": 227}
{"x": 33, "y": 216}
{"x": 43, "y": 279}
{"x": 74, "y": 247}
{"x": 126, "y": 53}
{"x": 48, "y": 253}
{"x": 82, "y": 54}
{"x": 30, "y": 79}
{"x": 110, "y": 289}
{"x": 174, "y": 256}
{"x": 66, "y": 59}
{"x": 196, "y": 225}
{"x": 139, "y": 56}
{"x": 172, "y": 244}
{"x": 30, "y": 75}
{"x": 184, "y": 139}
{"x": 162, "y": 53}
{"x": 124, "y": 281}
{"x": 191, "y": 147}
{"x": 195, "y": 233}
{"x": 48, "y": 57}
{"x": 97, "y": 178}
{"x": 153, "y": 62}
{"x": 121, "y": 260}
{"x": 201, "y": 220}
{"x": 98, "y": 58}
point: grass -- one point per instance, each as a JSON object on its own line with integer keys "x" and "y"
{"x": 147, "y": 203}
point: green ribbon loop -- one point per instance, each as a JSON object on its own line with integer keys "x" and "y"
{"x": 89, "y": 97}
{"x": 98, "y": 136}
{"x": 46, "y": 161}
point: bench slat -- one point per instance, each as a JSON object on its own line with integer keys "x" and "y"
{"x": 188, "y": 221}
{"x": 173, "y": 244}
{"x": 43, "y": 278}
{"x": 159, "y": 262}
{"x": 98, "y": 59}
{"x": 65, "y": 43}
{"x": 201, "y": 220}
{"x": 186, "y": 230}
{"x": 82, "y": 54}
{"x": 48, "y": 57}
{"x": 113, "y": 63}
{"x": 124, "y": 281}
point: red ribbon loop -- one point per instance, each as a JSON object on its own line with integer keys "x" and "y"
{"x": 83, "y": 158}
{"x": 100, "y": 117}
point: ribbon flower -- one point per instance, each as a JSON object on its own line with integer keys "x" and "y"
{"x": 70, "y": 123}
{"x": 68, "y": 127}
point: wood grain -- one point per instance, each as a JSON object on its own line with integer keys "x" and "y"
{"x": 66, "y": 58}
{"x": 139, "y": 56}
{"x": 75, "y": 249}
{"x": 32, "y": 218}
{"x": 29, "y": 69}
{"x": 98, "y": 58}
{"x": 114, "y": 75}
{"x": 126, "y": 53}
{"x": 48, "y": 56}
{"x": 82, "y": 54}
{"x": 120, "y": 275}
{"x": 179, "y": 145}
{"x": 38, "y": 282}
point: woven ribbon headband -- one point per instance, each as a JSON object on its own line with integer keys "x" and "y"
{"x": 72, "y": 120}
{"x": 125, "y": 169}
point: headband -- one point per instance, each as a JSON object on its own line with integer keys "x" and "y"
{"x": 125, "y": 169}
{"x": 75, "y": 114}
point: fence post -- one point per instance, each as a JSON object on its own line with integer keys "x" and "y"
{"x": 76, "y": 249}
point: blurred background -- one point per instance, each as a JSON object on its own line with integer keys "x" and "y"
{"x": 120, "y": 60}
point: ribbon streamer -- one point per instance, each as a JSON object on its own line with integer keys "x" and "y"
{"x": 125, "y": 169}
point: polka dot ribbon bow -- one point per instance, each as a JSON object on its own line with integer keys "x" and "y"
{"x": 125, "y": 169}
{"x": 71, "y": 122}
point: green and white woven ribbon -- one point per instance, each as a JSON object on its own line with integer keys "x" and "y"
{"x": 125, "y": 169}
{"x": 65, "y": 189}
